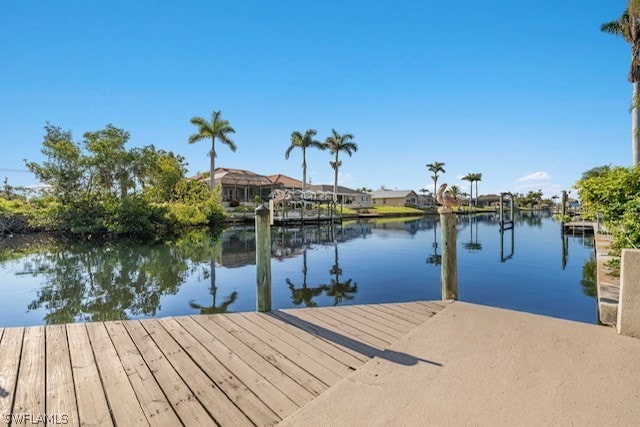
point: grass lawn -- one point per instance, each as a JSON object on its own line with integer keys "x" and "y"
{"x": 391, "y": 210}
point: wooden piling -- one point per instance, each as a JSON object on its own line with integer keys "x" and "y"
{"x": 501, "y": 209}
{"x": 263, "y": 259}
{"x": 449, "y": 270}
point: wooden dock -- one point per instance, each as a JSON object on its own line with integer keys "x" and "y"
{"x": 225, "y": 369}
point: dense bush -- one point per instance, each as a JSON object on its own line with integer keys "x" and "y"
{"x": 98, "y": 187}
{"x": 614, "y": 193}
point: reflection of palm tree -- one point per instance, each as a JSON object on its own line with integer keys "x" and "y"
{"x": 340, "y": 290}
{"x": 213, "y": 290}
{"x": 435, "y": 259}
{"x": 473, "y": 245}
{"x": 304, "y": 294}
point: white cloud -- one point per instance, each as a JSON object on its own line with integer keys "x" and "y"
{"x": 536, "y": 176}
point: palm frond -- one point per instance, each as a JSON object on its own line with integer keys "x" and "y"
{"x": 612, "y": 27}
{"x": 196, "y": 137}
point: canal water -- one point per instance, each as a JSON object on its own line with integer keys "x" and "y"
{"x": 531, "y": 268}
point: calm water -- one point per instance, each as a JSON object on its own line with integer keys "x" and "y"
{"x": 530, "y": 269}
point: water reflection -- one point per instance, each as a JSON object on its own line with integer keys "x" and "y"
{"x": 473, "y": 245}
{"x": 588, "y": 280}
{"x": 203, "y": 272}
{"x": 337, "y": 289}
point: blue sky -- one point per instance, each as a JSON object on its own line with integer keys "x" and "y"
{"x": 528, "y": 93}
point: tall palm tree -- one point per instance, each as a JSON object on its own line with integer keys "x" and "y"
{"x": 435, "y": 168}
{"x": 477, "y": 177}
{"x": 628, "y": 27}
{"x": 217, "y": 128}
{"x": 303, "y": 142}
{"x": 469, "y": 177}
{"x": 337, "y": 143}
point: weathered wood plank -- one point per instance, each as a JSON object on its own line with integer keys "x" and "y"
{"x": 314, "y": 353}
{"x": 302, "y": 377}
{"x": 154, "y": 404}
{"x": 329, "y": 332}
{"x": 275, "y": 376}
{"x": 433, "y": 306}
{"x": 93, "y": 409}
{"x": 60, "y": 392}
{"x": 10, "y": 350}
{"x": 30, "y": 395}
{"x": 235, "y": 390}
{"x": 125, "y": 407}
{"x": 187, "y": 406}
{"x": 365, "y": 323}
{"x": 267, "y": 392}
{"x": 335, "y": 351}
{"x": 346, "y": 328}
{"x": 217, "y": 403}
{"x": 392, "y": 321}
{"x": 292, "y": 353}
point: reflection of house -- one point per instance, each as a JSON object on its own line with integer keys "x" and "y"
{"x": 395, "y": 197}
{"x": 241, "y": 185}
{"x": 489, "y": 200}
{"x": 346, "y": 195}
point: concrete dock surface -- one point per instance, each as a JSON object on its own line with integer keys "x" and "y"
{"x": 477, "y": 365}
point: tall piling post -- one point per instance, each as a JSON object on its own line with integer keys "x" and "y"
{"x": 511, "y": 208}
{"x": 449, "y": 268}
{"x": 501, "y": 210}
{"x": 563, "y": 208}
{"x": 263, "y": 259}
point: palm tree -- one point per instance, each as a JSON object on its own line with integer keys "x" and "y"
{"x": 477, "y": 177}
{"x": 469, "y": 177}
{"x": 303, "y": 142}
{"x": 337, "y": 143}
{"x": 628, "y": 27}
{"x": 435, "y": 168}
{"x": 217, "y": 128}
{"x": 454, "y": 191}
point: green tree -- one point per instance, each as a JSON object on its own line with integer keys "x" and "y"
{"x": 435, "y": 168}
{"x": 628, "y": 27}
{"x": 298, "y": 140}
{"x": 216, "y": 128}
{"x": 65, "y": 165}
{"x": 595, "y": 172}
{"x": 109, "y": 161}
{"x": 337, "y": 143}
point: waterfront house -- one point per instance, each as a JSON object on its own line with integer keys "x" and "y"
{"x": 395, "y": 197}
{"x": 488, "y": 200}
{"x": 239, "y": 185}
{"x": 348, "y": 196}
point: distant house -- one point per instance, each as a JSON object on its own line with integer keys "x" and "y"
{"x": 347, "y": 196}
{"x": 489, "y": 200}
{"x": 240, "y": 185}
{"x": 395, "y": 197}
{"x": 426, "y": 201}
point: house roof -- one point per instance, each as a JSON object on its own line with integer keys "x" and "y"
{"x": 392, "y": 194}
{"x": 286, "y": 181}
{"x": 327, "y": 188}
{"x": 228, "y": 176}
{"x": 489, "y": 197}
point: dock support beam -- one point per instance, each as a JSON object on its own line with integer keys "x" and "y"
{"x": 629, "y": 306}
{"x": 449, "y": 271}
{"x": 263, "y": 259}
